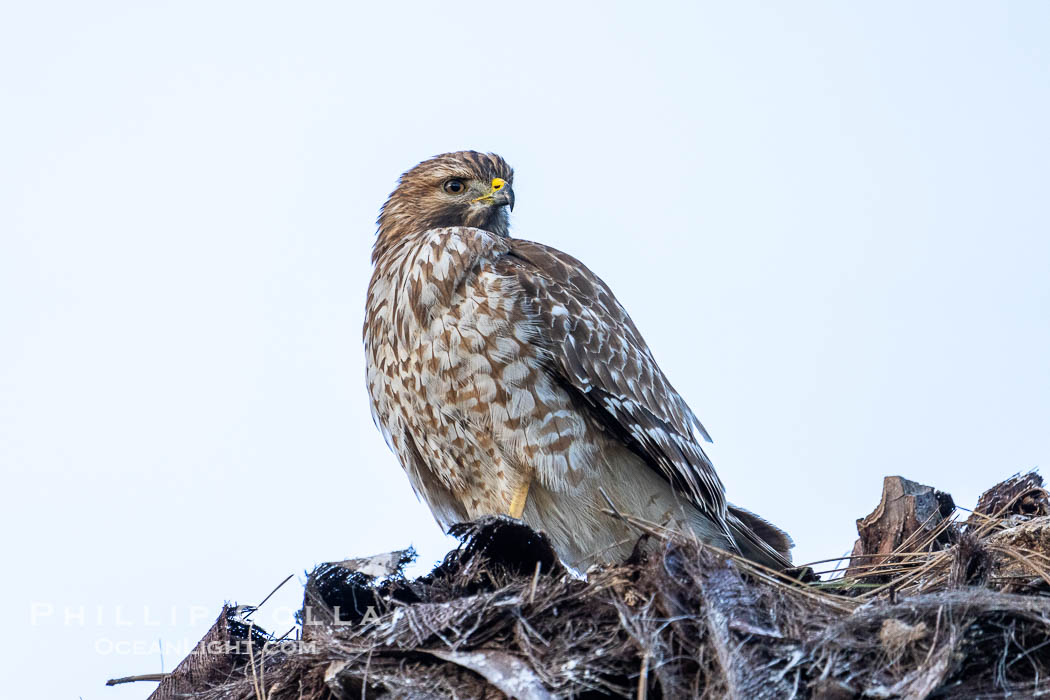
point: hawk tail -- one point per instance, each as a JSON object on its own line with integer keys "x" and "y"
{"x": 758, "y": 539}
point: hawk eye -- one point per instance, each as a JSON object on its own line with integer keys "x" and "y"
{"x": 454, "y": 186}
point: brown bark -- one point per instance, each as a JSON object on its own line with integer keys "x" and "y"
{"x": 906, "y": 519}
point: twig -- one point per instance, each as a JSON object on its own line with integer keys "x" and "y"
{"x": 251, "y": 662}
{"x": 643, "y": 678}
{"x": 134, "y": 679}
{"x": 535, "y": 580}
{"x": 279, "y": 585}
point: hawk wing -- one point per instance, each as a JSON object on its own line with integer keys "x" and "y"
{"x": 594, "y": 349}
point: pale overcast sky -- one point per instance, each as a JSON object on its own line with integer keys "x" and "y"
{"x": 829, "y": 221}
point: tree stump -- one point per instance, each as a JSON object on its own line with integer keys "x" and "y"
{"x": 907, "y": 519}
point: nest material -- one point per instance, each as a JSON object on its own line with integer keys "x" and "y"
{"x": 958, "y": 609}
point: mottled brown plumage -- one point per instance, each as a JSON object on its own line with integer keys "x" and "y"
{"x": 508, "y": 379}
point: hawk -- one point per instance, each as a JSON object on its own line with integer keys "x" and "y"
{"x": 508, "y": 379}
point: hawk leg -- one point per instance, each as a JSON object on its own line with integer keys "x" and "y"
{"x": 517, "y": 500}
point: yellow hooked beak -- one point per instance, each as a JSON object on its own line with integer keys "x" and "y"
{"x": 499, "y": 194}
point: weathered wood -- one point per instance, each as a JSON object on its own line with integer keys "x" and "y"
{"x": 499, "y": 618}
{"x": 747, "y": 643}
{"x": 217, "y": 656}
{"x": 905, "y": 520}
{"x": 1022, "y": 494}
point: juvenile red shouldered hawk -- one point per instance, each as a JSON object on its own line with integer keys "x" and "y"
{"x": 508, "y": 379}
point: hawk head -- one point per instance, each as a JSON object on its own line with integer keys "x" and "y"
{"x": 465, "y": 188}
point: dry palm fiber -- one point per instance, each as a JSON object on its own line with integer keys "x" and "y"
{"x": 955, "y": 609}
